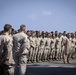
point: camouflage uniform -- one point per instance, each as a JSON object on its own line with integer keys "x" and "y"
{"x": 57, "y": 48}
{"x": 46, "y": 52}
{"x": 60, "y": 48}
{"x": 20, "y": 52}
{"x": 37, "y": 47}
{"x": 38, "y": 44}
{"x": 6, "y": 55}
{"x": 48, "y": 42}
{"x": 28, "y": 45}
{"x": 73, "y": 47}
{"x": 41, "y": 49}
{"x": 32, "y": 48}
{"x": 67, "y": 50}
{"x": 52, "y": 48}
{"x": 63, "y": 38}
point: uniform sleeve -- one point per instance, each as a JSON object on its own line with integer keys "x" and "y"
{"x": 26, "y": 43}
{"x": 15, "y": 44}
{"x": 24, "y": 48}
{"x": 8, "y": 56}
{"x": 9, "y": 46}
{"x": 0, "y": 47}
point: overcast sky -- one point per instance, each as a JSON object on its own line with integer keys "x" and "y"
{"x": 43, "y": 15}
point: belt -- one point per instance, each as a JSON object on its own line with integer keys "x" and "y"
{"x": 25, "y": 54}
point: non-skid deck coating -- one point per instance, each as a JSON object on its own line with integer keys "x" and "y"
{"x": 51, "y": 68}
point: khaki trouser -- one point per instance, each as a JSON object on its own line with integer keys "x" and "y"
{"x": 31, "y": 54}
{"x": 66, "y": 56}
{"x": 47, "y": 53}
{"x": 40, "y": 54}
{"x": 20, "y": 61}
{"x": 53, "y": 53}
{"x": 36, "y": 54}
{"x": 58, "y": 53}
{"x": 62, "y": 51}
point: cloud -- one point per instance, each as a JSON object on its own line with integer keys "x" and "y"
{"x": 32, "y": 16}
{"x": 36, "y": 16}
{"x": 46, "y": 13}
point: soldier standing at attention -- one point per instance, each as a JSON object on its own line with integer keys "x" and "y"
{"x": 20, "y": 50}
{"x": 37, "y": 44}
{"x": 48, "y": 42}
{"x": 73, "y": 45}
{"x": 32, "y": 46}
{"x": 29, "y": 35}
{"x": 63, "y": 38}
{"x": 60, "y": 46}
{"x": 57, "y": 45}
{"x": 67, "y": 50}
{"x": 41, "y": 48}
{"x": 53, "y": 46}
{"x": 6, "y": 45}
